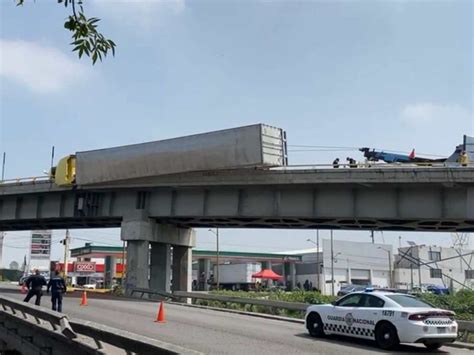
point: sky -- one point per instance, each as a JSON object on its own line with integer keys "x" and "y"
{"x": 392, "y": 75}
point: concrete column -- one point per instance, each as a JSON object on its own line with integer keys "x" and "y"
{"x": 182, "y": 268}
{"x": 137, "y": 265}
{"x": 110, "y": 268}
{"x": 286, "y": 271}
{"x": 207, "y": 270}
{"x": 160, "y": 267}
{"x": 293, "y": 275}
{"x": 139, "y": 230}
{"x": 204, "y": 268}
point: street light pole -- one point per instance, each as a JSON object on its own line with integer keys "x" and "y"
{"x": 332, "y": 263}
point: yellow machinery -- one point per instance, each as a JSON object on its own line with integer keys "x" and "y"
{"x": 65, "y": 172}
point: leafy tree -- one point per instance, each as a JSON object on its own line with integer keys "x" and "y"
{"x": 14, "y": 265}
{"x": 86, "y": 39}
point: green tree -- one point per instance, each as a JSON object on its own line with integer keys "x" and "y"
{"x": 86, "y": 39}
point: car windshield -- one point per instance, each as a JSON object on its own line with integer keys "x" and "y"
{"x": 408, "y": 301}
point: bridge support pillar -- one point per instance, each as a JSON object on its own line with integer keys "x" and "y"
{"x": 139, "y": 231}
{"x": 110, "y": 268}
{"x": 160, "y": 267}
{"x": 182, "y": 268}
{"x": 137, "y": 265}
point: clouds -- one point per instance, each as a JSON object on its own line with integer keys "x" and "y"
{"x": 142, "y": 14}
{"x": 42, "y": 69}
{"x": 423, "y": 113}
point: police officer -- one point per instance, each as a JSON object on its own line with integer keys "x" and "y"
{"x": 35, "y": 285}
{"x": 58, "y": 287}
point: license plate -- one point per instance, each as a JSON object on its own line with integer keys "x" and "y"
{"x": 442, "y": 330}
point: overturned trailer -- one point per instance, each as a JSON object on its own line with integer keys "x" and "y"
{"x": 255, "y": 146}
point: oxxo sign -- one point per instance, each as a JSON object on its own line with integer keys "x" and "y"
{"x": 84, "y": 266}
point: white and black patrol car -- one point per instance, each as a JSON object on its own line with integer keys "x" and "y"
{"x": 388, "y": 318}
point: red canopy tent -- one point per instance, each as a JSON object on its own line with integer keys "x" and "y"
{"x": 267, "y": 274}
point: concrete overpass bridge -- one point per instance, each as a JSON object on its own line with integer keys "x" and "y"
{"x": 162, "y": 211}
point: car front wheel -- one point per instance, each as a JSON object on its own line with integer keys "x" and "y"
{"x": 315, "y": 325}
{"x": 386, "y": 336}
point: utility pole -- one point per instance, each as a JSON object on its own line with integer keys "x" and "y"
{"x": 372, "y": 236}
{"x": 123, "y": 264}
{"x": 217, "y": 258}
{"x": 332, "y": 263}
{"x": 411, "y": 269}
{"x": 318, "y": 267}
{"x": 66, "y": 252}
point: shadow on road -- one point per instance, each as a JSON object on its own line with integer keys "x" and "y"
{"x": 370, "y": 346}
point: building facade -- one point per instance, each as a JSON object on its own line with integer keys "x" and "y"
{"x": 350, "y": 262}
{"x": 420, "y": 265}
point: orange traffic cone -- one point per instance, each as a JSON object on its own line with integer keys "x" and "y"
{"x": 160, "y": 318}
{"x": 23, "y": 288}
{"x": 84, "y": 299}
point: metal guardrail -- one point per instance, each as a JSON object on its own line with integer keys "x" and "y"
{"x": 178, "y": 295}
{"x": 291, "y": 306}
{"x": 26, "y": 180}
{"x": 35, "y": 330}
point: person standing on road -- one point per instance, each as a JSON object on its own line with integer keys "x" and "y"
{"x": 35, "y": 285}
{"x": 58, "y": 287}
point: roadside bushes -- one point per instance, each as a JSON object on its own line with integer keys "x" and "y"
{"x": 462, "y": 303}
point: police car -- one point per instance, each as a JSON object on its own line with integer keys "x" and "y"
{"x": 388, "y": 318}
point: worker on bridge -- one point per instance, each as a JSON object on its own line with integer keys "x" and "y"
{"x": 58, "y": 287}
{"x": 35, "y": 284}
{"x": 464, "y": 158}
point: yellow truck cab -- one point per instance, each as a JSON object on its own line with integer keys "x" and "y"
{"x": 64, "y": 173}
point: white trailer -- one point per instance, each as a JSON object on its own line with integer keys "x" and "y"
{"x": 255, "y": 146}
{"x": 237, "y": 276}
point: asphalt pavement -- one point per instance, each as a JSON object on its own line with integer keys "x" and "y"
{"x": 214, "y": 332}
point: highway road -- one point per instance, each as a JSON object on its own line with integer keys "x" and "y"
{"x": 214, "y": 332}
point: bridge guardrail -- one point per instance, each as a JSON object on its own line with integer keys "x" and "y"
{"x": 291, "y": 306}
{"x": 35, "y": 330}
{"x": 26, "y": 180}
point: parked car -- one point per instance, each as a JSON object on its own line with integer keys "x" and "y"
{"x": 438, "y": 290}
